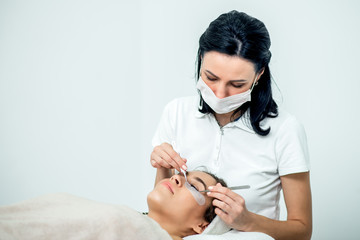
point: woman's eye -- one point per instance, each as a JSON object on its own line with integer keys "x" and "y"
{"x": 211, "y": 79}
{"x": 238, "y": 86}
{"x": 194, "y": 187}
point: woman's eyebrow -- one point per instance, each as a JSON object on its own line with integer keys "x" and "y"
{"x": 197, "y": 179}
{"x": 211, "y": 74}
{"x": 201, "y": 181}
{"x": 238, "y": 80}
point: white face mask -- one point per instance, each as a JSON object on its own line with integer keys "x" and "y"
{"x": 223, "y": 105}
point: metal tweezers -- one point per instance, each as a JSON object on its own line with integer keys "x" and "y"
{"x": 233, "y": 188}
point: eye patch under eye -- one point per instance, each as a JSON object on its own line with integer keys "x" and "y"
{"x": 199, "y": 198}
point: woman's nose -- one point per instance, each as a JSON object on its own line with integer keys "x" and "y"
{"x": 220, "y": 91}
{"x": 177, "y": 179}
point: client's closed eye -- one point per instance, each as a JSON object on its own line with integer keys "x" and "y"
{"x": 194, "y": 187}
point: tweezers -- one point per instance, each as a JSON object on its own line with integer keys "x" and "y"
{"x": 233, "y": 188}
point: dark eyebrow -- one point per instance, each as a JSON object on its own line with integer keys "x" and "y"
{"x": 212, "y": 74}
{"x": 201, "y": 181}
{"x": 198, "y": 179}
{"x": 240, "y": 80}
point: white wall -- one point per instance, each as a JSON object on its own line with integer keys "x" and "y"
{"x": 69, "y": 99}
{"x": 83, "y": 84}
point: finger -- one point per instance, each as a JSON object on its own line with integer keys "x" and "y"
{"x": 227, "y": 204}
{"x": 233, "y": 211}
{"x": 180, "y": 162}
{"x": 223, "y": 190}
{"x": 222, "y": 205}
{"x": 163, "y": 163}
{"x": 223, "y": 215}
{"x": 222, "y": 197}
{"x": 156, "y": 156}
{"x": 154, "y": 164}
{"x": 163, "y": 154}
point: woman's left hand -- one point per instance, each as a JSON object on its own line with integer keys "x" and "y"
{"x": 230, "y": 207}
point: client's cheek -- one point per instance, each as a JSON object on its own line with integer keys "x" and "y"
{"x": 199, "y": 198}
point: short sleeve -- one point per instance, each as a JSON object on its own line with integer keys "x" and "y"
{"x": 165, "y": 131}
{"x": 292, "y": 152}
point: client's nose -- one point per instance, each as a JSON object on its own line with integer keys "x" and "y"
{"x": 177, "y": 179}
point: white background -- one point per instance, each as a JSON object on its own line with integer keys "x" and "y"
{"x": 83, "y": 85}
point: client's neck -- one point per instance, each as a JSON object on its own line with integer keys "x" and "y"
{"x": 169, "y": 226}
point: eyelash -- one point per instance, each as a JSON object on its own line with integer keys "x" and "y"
{"x": 214, "y": 79}
{"x": 211, "y": 79}
{"x": 194, "y": 187}
{"x": 238, "y": 86}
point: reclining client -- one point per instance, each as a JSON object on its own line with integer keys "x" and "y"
{"x": 176, "y": 210}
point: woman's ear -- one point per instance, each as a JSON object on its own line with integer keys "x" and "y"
{"x": 200, "y": 227}
{"x": 261, "y": 73}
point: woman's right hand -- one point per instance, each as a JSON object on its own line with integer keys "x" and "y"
{"x": 164, "y": 156}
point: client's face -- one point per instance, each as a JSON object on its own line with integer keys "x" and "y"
{"x": 173, "y": 200}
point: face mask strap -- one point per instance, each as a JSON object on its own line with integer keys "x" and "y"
{"x": 254, "y": 83}
{"x": 201, "y": 103}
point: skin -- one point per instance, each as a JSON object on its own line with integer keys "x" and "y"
{"x": 226, "y": 76}
{"x": 187, "y": 218}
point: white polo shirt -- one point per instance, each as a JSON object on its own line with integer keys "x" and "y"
{"x": 235, "y": 152}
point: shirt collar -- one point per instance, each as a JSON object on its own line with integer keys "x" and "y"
{"x": 243, "y": 123}
{"x": 199, "y": 114}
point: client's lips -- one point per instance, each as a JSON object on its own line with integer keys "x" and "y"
{"x": 168, "y": 185}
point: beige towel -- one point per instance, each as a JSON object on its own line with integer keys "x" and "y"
{"x": 63, "y": 216}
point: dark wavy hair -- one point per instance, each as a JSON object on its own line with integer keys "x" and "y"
{"x": 238, "y": 34}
